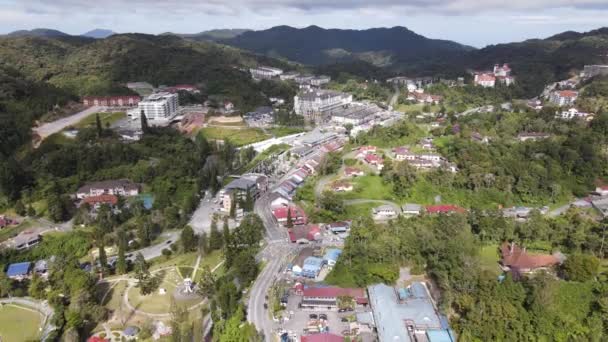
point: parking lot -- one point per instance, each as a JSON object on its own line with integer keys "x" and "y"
{"x": 299, "y": 320}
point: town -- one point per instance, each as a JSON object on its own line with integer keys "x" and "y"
{"x": 310, "y": 205}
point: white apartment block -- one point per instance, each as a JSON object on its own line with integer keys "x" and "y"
{"x": 315, "y": 104}
{"x": 265, "y": 73}
{"x": 159, "y": 106}
{"x": 320, "y": 80}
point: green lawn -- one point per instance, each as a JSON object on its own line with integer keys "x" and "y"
{"x": 370, "y": 187}
{"x": 359, "y": 210}
{"x": 238, "y": 137}
{"x": 488, "y": 257}
{"x": 106, "y": 119}
{"x": 19, "y": 324}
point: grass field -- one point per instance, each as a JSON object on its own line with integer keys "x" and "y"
{"x": 19, "y": 324}
{"x": 106, "y": 119}
{"x": 488, "y": 257}
{"x": 238, "y": 137}
{"x": 160, "y": 303}
{"x": 370, "y": 187}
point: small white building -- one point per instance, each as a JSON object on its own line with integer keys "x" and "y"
{"x": 572, "y": 113}
{"x": 563, "y": 97}
{"x": 265, "y": 73}
{"x": 384, "y": 212}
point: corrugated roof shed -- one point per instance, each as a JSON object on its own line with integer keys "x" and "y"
{"x": 18, "y": 269}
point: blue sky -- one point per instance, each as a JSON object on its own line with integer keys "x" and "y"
{"x": 473, "y": 22}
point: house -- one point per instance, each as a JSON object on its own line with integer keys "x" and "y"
{"x": 328, "y": 296}
{"x": 411, "y": 209}
{"x": 407, "y": 314}
{"x": 339, "y": 227}
{"x": 572, "y": 113}
{"x": 422, "y": 97}
{"x": 401, "y": 153}
{"x": 563, "y": 97}
{"x": 384, "y": 212}
{"x": 535, "y": 104}
{"x": 298, "y": 216}
{"x": 304, "y": 234}
{"x": 427, "y": 143}
{"x": 444, "y": 209}
{"x": 331, "y": 256}
{"x": 342, "y": 186}
{"x": 375, "y": 160}
{"x": 365, "y": 150}
{"x": 485, "y": 80}
{"x": 312, "y": 267}
{"x": 97, "y": 201}
{"x": 534, "y": 136}
{"x": 323, "y": 337}
{"x": 121, "y": 187}
{"x": 19, "y": 271}
{"x": 228, "y": 106}
{"x": 41, "y": 267}
{"x": 353, "y": 172}
{"x": 516, "y": 259}
{"x": 502, "y": 71}
{"x": 26, "y": 240}
{"x": 602, "y": 190}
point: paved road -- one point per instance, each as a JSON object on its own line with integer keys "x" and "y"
{"x": 155, "y": 251}
{"x": 39, "y": 306}
{"x": 321, "y": 184}
{"x": 56, "y": 126}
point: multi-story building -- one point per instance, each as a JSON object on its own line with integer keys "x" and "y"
{"x": 485, "y": 80}
{"x": 159, "y": 106}
{"x": 563, "y": 97}
{"x": 316, "y": 105}
{"x": 590, "y": 71}
{"x": 318, "y": 81}
{"x": 121, "y": 187}
{"x": 265, "y": 73}
{"x": 291, "y": 75}
{"x": 355, "y": 114}
{"x": 111, "y": 101}
{"x": 251, "y": 183}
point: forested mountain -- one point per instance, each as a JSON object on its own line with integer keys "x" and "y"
{"x": 39, "y": 32}
{"x": 315, "y": 45}
{"x": 98, "y": 33}
{"x": 211, "y": 35}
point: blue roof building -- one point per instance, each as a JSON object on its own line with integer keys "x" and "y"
{"x": 18, "y": 270}
{"x": 332, "y": 255}
{"x": 404, "y": 315}
{"x": 312, "y": 266}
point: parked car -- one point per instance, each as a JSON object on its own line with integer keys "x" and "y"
{"x": 323, "y": 317}
{"x": 313, "y": 316}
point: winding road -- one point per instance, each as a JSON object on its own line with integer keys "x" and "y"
{"x": 58, "y": 125}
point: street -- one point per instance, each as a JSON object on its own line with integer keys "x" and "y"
{"x": 56, "y": 126}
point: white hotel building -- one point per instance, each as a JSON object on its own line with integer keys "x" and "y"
{"x": 265, "y": 73}
{"x": 157, "y": 107}
{"x": 314, "y": 105}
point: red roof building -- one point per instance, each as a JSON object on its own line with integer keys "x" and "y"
{"x": 374, "y": 159}
{"x": 325, "y": 337}
{"x": 331, "y": 293}
{"x": 353, "y": 172}
{"x": 298, "y": 215}
{"x": 444, "y": 209}
{"x": 101, "y": 199}
{"x": 304, "y": 233}
{"x": 518, "y": 260}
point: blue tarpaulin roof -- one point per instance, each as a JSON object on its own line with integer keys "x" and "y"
{"x": 19, "y": 269}
{"x": 439, "y": 336}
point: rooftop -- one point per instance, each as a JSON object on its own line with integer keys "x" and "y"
{"x": 18, "y": 269}
{"x": 325, "y": 337}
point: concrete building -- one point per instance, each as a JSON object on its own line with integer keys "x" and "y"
{"x": 291, "y": 75}
{"x": 317, "y": 105}
{"x": 331, "y": 256}
{"x": 385, "y": 212}
{"x": 318, "y": 81}
{"x": 572, "y": 113}
{"x": 563, "y": 97}
{"x": 265, "y": 73}
{"x": 485, "y": 80}
{"x": 590, "y": 71}
{"x": 407, "y": 315}
{"x": 26, "y": 240}
{"x": 312, "y": 267}
{"x": 252, "y": 183}
{"x": 324, "y": 297}
{"x": 121, "y": 187}
{"x": 157, "y": 107}
{"x": 355, "y": 114}
{"x": 411, "y": 209}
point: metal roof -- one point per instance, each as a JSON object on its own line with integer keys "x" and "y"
{"x": 18, "y": 269}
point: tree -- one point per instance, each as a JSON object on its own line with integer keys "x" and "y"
{"x": 581, "y": 267}
{"x": 215, "y": 237}
{"x": 98, "y": 125}
{"x": 31, "y": 212}
{"x": 37, "y": 287}
{"x": 121, "y": 263}
{"x": 233, "y": 205}
{"x": 6, "y": 285}
{"x": 142, "y": 274}
{"x": 103, "y": 259}
{"x": 226, "y": 232}
{"x": 203, "y": 244}
{"x": 289, "y": 223}
{"x": 20, "y": 208}
{"x": 145, "y": 129}
{"x": 166, "y": 252}
{"x": 188, "y": 239}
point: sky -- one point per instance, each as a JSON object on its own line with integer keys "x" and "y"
{"x": 472, "y": 22}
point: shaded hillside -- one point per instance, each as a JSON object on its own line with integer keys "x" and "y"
{"x": 316, "y": 46}
{"x": 39, "y": 32}
{"x": 211, "y": 35}
{"x": 99, "y": 33}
